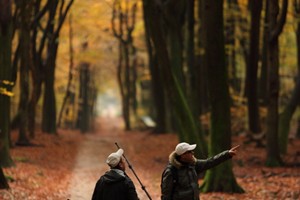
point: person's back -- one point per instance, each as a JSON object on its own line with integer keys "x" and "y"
{"x": 115, "y": 184}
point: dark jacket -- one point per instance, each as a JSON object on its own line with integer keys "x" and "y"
{"x": 114, "y": 186}
{"x": 185, "y": 185}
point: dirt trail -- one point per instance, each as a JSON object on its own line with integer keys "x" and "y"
{"x": 90, "y": 161}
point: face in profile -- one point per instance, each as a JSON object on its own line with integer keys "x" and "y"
{"x": 187, "y": 157}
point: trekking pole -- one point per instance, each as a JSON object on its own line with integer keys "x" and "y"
{"x": 130, "y": 167}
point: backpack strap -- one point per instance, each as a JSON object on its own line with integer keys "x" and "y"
{"x": 174, "y": 175}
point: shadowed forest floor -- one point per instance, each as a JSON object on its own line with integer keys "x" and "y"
{"x": 67, "y": 166}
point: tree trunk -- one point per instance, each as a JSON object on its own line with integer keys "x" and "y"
{"x": 127, "y": 87}
{"x": 25, "y": 62}
{"x": 286, "y": 116}
{"x": 201, "y": 66}
{"x": 126, "y": 76}
{"x": 61, "y": 9}
{"x": 221, "y": 178}
{"x": 193, "y": 73}
{"x": 3, "y": 181}
{"x": 35, "y": 96}
{"x": 156, "y": 81}
{"x": 37, "y": 73}
{"x": 188, "y": 127}
{"x": 5, "y": 80}
{"x": 252, "y": 67}
{"x": 84, "y": 96}
{"x": 263, "y": 86}
{"x": 288, "y": 112}
{"x": 230, "y": 27}
{"x": 49, "y": 102}
{"x": 275, "y": 28}
{"x": 174, "y": 13}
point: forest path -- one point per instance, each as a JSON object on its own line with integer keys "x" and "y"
{"x": 90, "y": 162}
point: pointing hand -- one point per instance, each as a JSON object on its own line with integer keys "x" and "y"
{"x": 233, "y": 150}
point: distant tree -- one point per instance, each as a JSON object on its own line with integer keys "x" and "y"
{"x": 86, "y": 91}
{"x": 5, "y": 85}
{"x": 123, "y": 24}
{"x": 69, "y": 96}
{"x": 275, "y": 26}
{"x": 220, "y": 178}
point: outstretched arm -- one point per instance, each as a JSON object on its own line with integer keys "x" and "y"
{"x": 209, "y": 163}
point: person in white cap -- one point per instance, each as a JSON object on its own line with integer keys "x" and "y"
{"x": 115, "y": 184}
{"x": 180, "y": 177}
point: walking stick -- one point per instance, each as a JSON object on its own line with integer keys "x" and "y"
{"x": 130, "y": 167}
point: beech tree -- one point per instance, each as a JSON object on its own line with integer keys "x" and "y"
{"x": 220, "y": 178}
{"x": 188, "y": 127}
{"x": 275, "y": 27}
{"x": 289, "y": 110}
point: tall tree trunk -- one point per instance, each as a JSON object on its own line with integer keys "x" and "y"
{"x": 126, "y": 78}
{"x": 252, "y": 67}
{"x": 25, "y": 62}
{"x": 275, "y": 28}
{"x": 190, "y": 57}
{"x": 188, "y": 128}
{"x": 127, "y": 88}
{"x": 61, "y": 9}
{"x": 220, "y": 178}
{"x": 49, "y": 102}
{"x": 201, "y": 65}
{"x": 263, "y": 85}
{"x": 286, "y": 116}
{"x": 156, "y": 80}
{"x": 37, "y": 74}
{"x": 174, "y": 15}
{"x": 230, "y": 27}
{"x": 288, "y": 112}
{"x": 5, "y": 80}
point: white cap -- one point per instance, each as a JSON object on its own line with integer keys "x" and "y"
{"x": 114, "y": 158}
{"x": 183, "y": 147}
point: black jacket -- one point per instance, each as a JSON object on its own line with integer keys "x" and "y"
{"x": 185, "y": 187}
{"x": 114, "y": 186}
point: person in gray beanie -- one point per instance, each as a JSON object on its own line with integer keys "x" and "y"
{"x": 180, "y": 177}
{"x": 115, "y": 184}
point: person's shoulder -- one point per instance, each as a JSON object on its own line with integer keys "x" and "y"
{"x": 170, "y": 169}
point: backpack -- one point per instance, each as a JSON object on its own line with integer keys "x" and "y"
{"x": 174, "y": 175}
